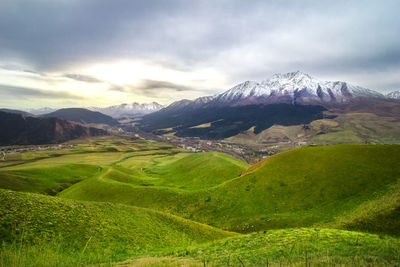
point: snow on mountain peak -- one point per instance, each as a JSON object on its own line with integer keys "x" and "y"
{"x": 293, "y": 87}
{"x": 394, "y": 95}
{"x": 297, "y": 75}
{"x": 129, "y": 110}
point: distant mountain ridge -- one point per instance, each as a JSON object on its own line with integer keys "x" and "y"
{"x": 290, "y": 88}
{"x": 285, "y": 99}
{"x": 17, "y": 129}
{"x": 82, "y": 115}
{"x": 129, "y": 110}
{"x": 394, "y": 95}
{"x": 15, "y": 111}
{"x": 40, "y": 111}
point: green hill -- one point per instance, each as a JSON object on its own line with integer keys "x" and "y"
{"x": 48, "y": 179}
{"x": 116, "y": 204}
{"x": 286, "y": 247}
{"x": 198, "y": 171}
{"x": 302, "y": 187}
{"x": 141, "y": 176}
{"x": 306, "y": 186}
{"x": 102, "y": 231}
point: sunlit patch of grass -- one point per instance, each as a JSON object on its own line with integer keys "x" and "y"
{"x": 298, "y": 247}
{"x": 45, "y": 178}
{"x": 105, "y": 231}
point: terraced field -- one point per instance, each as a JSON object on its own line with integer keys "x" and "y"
{"x": 118, "y": 199}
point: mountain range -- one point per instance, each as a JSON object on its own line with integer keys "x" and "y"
{"x": 40, "y": 111}
{"x": 394, "y": 95}
{"x": 82, "y": 115}
{"x": 15, "y": 111}
{"x": 284, "y": 99}
{"x": 290, "y": 88}
{"x": 17, "y": 129}
{"x": 129, "y": 110}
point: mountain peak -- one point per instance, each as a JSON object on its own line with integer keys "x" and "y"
{"x": 129, "y": 110}
{"x": 292, "y": 75}
{"x": 292, "y": 87}
{"x": 394, "y": 95}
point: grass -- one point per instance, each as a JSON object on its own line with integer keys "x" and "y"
{"x": 297, "y": 247}
{"x": 157, "y": 177}
{"x": 272, "y": 135}
{"x": 303, "y": 187}
{"x": 104, "y": 158}
{"x": 197, "y": 171}
{"x": 106, "y": 231}
{"x": 313, "y": 204}
{"x": 348, "y": 128}
{"x": 357, "y": 128}
{"x": 45, "y": 179}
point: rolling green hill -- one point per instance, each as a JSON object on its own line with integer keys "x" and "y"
{"x": 153, "y": 178}
{"x": 286, "y": 247}
{"x": 200, "y": 170}
{"x": 302, "y": 187}
{"x": 45, "y": 179}
{"x": 114, "y": 200}
{"x": 105, "y": 231}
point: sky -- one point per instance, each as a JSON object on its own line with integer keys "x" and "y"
{"x": 70, "y": 53}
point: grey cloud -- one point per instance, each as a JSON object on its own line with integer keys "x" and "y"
{"x": 320, "y": 37}
{"x": 154, "y": 84}
{"x": 150, "y": 88}
{"x": 117, "y": 88}
{"x": 83, "y": 78}
{"x": 18, "y": 68}
{"x": 23, "y": 92}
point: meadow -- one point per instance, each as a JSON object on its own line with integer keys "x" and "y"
{"x": 133, "y": 202}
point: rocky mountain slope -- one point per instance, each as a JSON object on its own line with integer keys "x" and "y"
{"x": 82, "y": 115}
{"x": 15, "y": 111}
{"x": 17, "y": 129}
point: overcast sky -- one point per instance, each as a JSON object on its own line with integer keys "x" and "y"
{"x": 69, "y": 53}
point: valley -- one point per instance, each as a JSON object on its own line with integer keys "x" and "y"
{"x": 290, "y": 171}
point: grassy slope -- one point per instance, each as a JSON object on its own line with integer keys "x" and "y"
{"x": 349, "y": 128}
{"x": 42, "y": 179}
{"x": 200, "y": 170}
{"x": 345, "y": 186}
{"x": 294, "y": 247}
{"x": 306, "y": 186}
{"x": 358, "y": 128}
{"x": 115, "y": 231}
{"x": 167, "y": 176}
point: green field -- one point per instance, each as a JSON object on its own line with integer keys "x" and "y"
{"x": 149, "y": 203}
{"x": 110, "y": 232}
{"x": 301, "y": 187}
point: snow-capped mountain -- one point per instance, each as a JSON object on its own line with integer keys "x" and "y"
{"x": 290, "y": 88}
{"x": 185, "y": 103}
{"x": 40, "y": 111}
{"x": 129, "y": 110}
{"x": 394, "y": 95}
{"x": 293, "y": 98}
{"x": 294, "y": 87}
